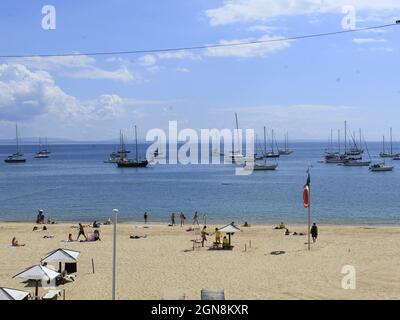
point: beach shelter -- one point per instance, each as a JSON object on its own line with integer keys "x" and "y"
{"x": 13, "y": 294}
{"x": 37, "y": 273}
{"x": 61, "y": 256}
{"x": 229, "y": 229}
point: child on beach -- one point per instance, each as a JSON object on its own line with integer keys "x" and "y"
{"x": 195, "y": 218}
{"x": 15, "y": 243}
{"x": 145, "y": 216}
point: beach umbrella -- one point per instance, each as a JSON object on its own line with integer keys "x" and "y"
{"x": 60, "y": 256}
{"x": 12, "y": 294}
{"x": 37, "y": 273}
{"x": 229, "y": 229}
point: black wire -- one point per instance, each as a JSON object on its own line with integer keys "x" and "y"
{"x": 199, "y": 47}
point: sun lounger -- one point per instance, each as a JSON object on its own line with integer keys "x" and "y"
{"x": 207, "y": 294}
{"x": 52, "y": 295}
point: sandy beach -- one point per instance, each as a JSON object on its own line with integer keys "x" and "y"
{"x": 164, "y": 264}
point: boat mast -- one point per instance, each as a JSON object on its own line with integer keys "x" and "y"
{"x": 345, "y": 137}
{"x": 339, "y": 140}
{"x": 265, "y": 141}
{"x": 331, "y": 140}
{"x": 272, "y": 140}
{"x": 359, "y": 131}
{"x": 237, "y": 131}
{"x": 136, "y": 144}
{"x": 16, "y": 138}
{"x": 391, "y": 143}
{"x": 383, "y": 145}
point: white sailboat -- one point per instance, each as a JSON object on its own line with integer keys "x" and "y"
{"x": 236, "y": 156}
{"x": 286, "y": 151}
{"x": 16, "y": 157}
{"x": 384, "y": 153}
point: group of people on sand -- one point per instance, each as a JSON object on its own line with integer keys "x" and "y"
{"x": 313, "y": 231}
{"x": 218, "y": 236}
{"x": 95, "y": 236}
{"x": 41, "y": 220}
{"x": 182, "y": 218}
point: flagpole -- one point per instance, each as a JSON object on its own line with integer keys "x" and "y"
{"x": 115, "y": 211}
{"x": 309, "y": 212}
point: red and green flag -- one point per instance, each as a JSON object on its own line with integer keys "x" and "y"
{"x": 306, "y": 191}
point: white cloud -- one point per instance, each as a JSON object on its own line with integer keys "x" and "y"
{"x": 250, "y": 50}
{"x": 82, "y": 67}
{"x": 182, "y": 69}
{"x": 233, "y": 11}
{"x": 368, "y": 40}
{"x": 27, "y": 94}
{"x": 147, "y": 60}
{"x": 55, "y": 63}
{"x": 182, "y": 54}
{"x": 122, "y": 74}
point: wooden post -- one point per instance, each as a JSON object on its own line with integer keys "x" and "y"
{"x": 93, "y": 265}
{"x": 64, "y": 294}
{"x": 245, "y": 247}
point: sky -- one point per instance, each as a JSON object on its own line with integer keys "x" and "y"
{"x": 304, "y": 87}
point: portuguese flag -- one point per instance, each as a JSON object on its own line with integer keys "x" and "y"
{"x": 306, "y": 192}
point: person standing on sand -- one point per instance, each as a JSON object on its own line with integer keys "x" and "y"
{"x": 314, "y": 232}
{"x": 203, "y": 235}
{"x": 173, "y": 218}
{"x": 195, "y": 218}
{"x": 145, "y": 217}
{"x": 182, "y": 219}
{"x": 81, "y": 232}
{"x": 204, "y": 219}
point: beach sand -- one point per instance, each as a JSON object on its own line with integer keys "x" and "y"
{"x": 164, "y": 264}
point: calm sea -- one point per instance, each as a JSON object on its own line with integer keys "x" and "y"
{"x": 75, "y": 184}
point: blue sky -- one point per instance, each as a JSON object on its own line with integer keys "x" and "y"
{"x": 305, "y": 87}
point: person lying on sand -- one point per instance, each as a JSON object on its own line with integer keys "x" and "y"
{"x": 48, "y": 237}
{"x": 287, "y": 233}
{"x": 15, "y": 243}
{"x": 138, "y": 237}
{"x": 95, "y": 236}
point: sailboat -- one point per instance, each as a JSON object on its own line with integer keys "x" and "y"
{"x": 43, "y": 153}
{"x": 16, "y": 157}
{"x": 132, "y": 163}
{"x": 258, "y": 165}
{"x": 236, "y": 156}
{"x": 272, "y": 153}
{"x": 286, "y": 151}
{"x": 332, "y": 156}
{"x": 351, "y": 162}
{"x": 390, "y": 154}
{"x": 121, "y": 153}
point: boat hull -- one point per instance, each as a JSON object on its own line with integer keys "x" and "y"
{"x": 132, "y": 164}
{"x": 15, "y": 160}
{"x": 357, "y": 164}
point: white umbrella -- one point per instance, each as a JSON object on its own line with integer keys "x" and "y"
{"x": 12, "y": 294}
{"x": 37, "y": 273}
{"x": 229, "y": 229}
{"x": 61, "y": 255}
